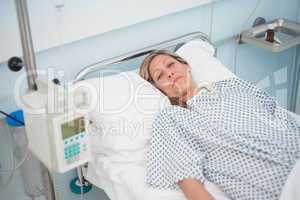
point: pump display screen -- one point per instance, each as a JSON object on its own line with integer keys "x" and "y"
{"x": 72, "y": 128}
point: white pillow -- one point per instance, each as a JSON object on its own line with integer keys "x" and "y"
{"x": 126, "y": 105}
{"x": 204, "y": 66}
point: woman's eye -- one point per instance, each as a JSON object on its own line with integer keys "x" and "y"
{"x": 170, "y": 64}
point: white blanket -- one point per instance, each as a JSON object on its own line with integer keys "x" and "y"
{"x": 127, "y": 182}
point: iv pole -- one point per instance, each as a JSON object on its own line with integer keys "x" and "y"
{"x": 30, "y": 65}
{"x": 27, "y": 46}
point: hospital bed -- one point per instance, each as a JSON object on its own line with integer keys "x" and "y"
{"x": 118, "y": 164}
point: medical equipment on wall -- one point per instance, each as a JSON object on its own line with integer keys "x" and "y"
{"x": 276, "y": 36}
{"x": 57, "y": 134}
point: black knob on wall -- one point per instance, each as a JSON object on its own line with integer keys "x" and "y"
{"x": 56, "y": 81}
{"x": 15, "y": 64}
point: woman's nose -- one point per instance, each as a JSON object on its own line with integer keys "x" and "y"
{"x": 171, "y": 74}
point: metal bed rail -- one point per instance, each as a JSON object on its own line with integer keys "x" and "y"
{"x": 175, "y": 42}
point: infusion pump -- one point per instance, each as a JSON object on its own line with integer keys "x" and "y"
{"x": 59, "y": 139}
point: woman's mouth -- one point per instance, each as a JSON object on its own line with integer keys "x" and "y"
{"x": 175, "y": 80}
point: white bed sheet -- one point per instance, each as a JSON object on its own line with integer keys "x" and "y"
{"x": 126, "y": 180}
{"x": 113, "y": 190}
{"x": 291, "y": 189}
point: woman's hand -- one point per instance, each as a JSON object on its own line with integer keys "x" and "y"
{"x": 194, "y": 190}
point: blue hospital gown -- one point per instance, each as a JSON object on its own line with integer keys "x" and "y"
{"x": 235, "y": 136}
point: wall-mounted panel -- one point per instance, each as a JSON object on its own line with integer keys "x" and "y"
{"x": 77, "y": 19}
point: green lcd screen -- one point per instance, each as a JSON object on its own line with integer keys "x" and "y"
{"x": 72, "y": 128}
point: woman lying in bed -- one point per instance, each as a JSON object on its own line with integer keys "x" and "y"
{"x": 228, "y": 132}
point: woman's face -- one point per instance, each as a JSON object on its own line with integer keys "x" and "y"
{"x": 170, "y": 76}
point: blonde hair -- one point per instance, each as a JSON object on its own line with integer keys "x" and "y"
{"x": 145, "y": 73}
{"x": 144, "y": 68}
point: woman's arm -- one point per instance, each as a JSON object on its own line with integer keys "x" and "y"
{"x": 194, "y": 190}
